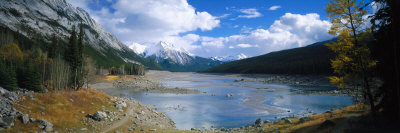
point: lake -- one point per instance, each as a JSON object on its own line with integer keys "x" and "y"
{"x": 249, "y": 100}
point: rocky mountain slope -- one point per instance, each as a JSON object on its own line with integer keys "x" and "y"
{"x": 40, "y": 19}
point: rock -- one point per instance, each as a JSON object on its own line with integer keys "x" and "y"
{"x": 267, "y": 121}
{"x": 2, "y": 91}
{"x": 42, "y": 113}
{"x": 259, "y": 122}
{"x": 223, "y": 129}
{"x": 118, "y": 132}
{"x": 99, "y": 116}
{"x": 142, "y": 129}
{"x": 193, "y": 129}
{"x": 47, "y": 125}
{"x": 229, "y": 95}
{"x": 131, "y": 129}
{"x": 32, "y": 119}
{"x": 326, "y": 124}
{"x": 153, "y": 130}
{"x": 24, "y": 118}
{"x": 6, "y": 122}
{"x": 83, "y": 129}
{"x": 120, "y": 104}
{"x": 287, "y": 121}
{"x": 42, "y": 108}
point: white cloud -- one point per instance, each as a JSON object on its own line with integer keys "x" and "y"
{"x": 149, "y": 21}
{"x": 272, "y": 8}
{"x": 290, "y": 31}
{"x": 244, "y": 45}
{"x": 250, "y": 13}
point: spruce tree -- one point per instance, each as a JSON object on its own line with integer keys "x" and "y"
{"x": 53, "y": 47}
{"x": 71, "y": 57}
{"x": 80, "y": 60}
{"x": 33, "y": 77}
{"x": 8, "y": 78}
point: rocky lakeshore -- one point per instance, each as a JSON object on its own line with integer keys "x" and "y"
{"x": 132, "y": 115}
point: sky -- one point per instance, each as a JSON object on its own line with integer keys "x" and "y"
{"x": 210, "y": 28}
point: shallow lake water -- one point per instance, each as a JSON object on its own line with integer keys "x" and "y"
{"x": 250, "y": 100}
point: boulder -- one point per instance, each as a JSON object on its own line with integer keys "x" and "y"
{"x": 287, "y": 121}
{"x": 24, "y": 118}
{"x": 259, "y": 122}
{"x": 2, "y": 91}
{"x": 99, "y": 116}
{"x": 229, "y": 95}
{"x": 47, "y": 126}
{"x": 120, "y": 104}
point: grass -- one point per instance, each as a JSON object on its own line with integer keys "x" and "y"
{"x": 62, "y": 109}
{"x": 110, "y": 78}
{"x": 340, "y": 117}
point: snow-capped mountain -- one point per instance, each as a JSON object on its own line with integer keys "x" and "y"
{"x": 173, "y": 58}
{"x": 167, "y": 51}
{"x": 229, "y": 58}
{"x": 138, "y": 48}
{"x": 43, "y": 18}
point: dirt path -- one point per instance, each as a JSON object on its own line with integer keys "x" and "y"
{"x": 129, "y": 112}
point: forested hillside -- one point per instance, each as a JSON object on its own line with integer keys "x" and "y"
{"x": 312, "y": 59}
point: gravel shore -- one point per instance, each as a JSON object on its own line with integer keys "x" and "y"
{"x": 142, "y": 84}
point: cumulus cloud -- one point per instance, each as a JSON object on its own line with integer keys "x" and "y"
{"x": 150, "y": 21}
{"x": 290, "y": 31}
{"x": 250, "y": 13}
{"x": 272, "y": 8}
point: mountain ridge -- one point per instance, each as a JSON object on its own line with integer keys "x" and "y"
{"x": 41, "y": 19}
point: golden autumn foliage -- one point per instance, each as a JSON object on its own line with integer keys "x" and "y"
{"x": 11, "y": 52}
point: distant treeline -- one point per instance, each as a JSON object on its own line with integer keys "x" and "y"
{"x": 311, "y": 60}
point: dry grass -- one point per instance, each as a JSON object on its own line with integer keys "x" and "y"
{"x": 339, "y": 117}
{"x": 110, "y": 78}
{"x": 63, "y": 109}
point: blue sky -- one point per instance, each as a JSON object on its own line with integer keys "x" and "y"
{"x": 213, "y": 27}
{"x": 232, "y": 7}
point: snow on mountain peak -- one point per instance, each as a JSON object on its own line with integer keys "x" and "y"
{"x": 138, "y": 48}
{"x": 165, "y": 50}
{"x": 239, "y": 56}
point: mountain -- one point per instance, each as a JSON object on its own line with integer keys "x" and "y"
{"x": 166, "y": 51}
{"x": 40, "y": 19}
{"x": 172, "y": 58}
{"x": 229, "y": 58}
{"x": 311, "y": 59}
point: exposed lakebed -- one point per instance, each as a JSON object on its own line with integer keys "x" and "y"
{"x": 227, "y": 103}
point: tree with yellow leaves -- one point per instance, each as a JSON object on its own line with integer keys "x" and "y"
{"x": 353, "y": 63}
